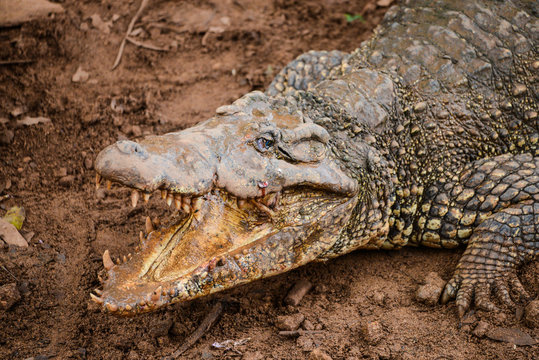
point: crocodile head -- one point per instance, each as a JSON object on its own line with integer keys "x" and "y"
{"x": 258, "y": 193}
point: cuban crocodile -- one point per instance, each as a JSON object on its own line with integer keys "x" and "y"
{"x": 426, "y": 135}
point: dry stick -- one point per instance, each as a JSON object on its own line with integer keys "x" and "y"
{"x": 16, "y": 62}
{"x": 145, "y": 45}
{"x": 205, "y": 325}
{"x": 143, "y": 4}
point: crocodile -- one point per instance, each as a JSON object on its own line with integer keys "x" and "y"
{"x": 426, "y": 135}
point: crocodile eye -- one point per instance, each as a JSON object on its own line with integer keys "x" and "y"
{"x": 264, "y": 144}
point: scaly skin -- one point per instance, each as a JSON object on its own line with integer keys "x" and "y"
{"x": 425, "y": 135}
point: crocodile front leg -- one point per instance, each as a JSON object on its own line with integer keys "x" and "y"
{"x": 499, "y": 221}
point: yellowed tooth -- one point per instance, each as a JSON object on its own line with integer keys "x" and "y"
{"x": 96, "y": 299}
{"x": 112, "y": 307}
{"x": 97, "y": 181}
{"x": 146, "y": 197}
{"x": 186, "y": 200}
{"x": 156, "y": 295}
{"x": 134, "y": 197}
{"x": 164, "y": 194}
{"x": 109, "y": 184}
{"x": 118, "y": 261}
{"x": 98, "y": 292}
{"x": 170, "y": 198}
{"x": 178, "y": 204}
{"x": 128, "y": 307}
{"x": 196, "y": 203}
{"x": 129, "y": 256}
{"x": 242, "y": 204}
{"x": 148, "y": 224}
{"x": 141, "y": 236}
{"x": 124, "y": 259}
{"x": 107, "y": 260}
{"x": 186, "y": 208}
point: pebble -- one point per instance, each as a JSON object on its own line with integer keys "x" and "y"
{"x": 252, "y": 355}
{"x": 531, "y": 314}
{"x": 296, "y": 294}
{"x": 289, "y": 322}
{"x": 88, "y": 163}
{"x": 60, "y": 172}
{"x": 308, "y": 325}
{"x": 318, "y": 354}
{"x": 67, "y": 180}
{"x": 80, "y": 76}
{"x": 481, "y": 329}
{"x": 9, "y": 295}
{"x": 305, "y": 343}
{"x": 373, "y": 332}
{"x": 6, "y": 137}
{"x": 430, "y": 292}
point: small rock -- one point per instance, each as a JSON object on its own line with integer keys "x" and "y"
{"x": 80, "y": 76}
{"x": 10, "y": 235}
{"x": 379, "y": 297}
{"x": 101, "y": 25}
{"x": 510, "y": 335}
{"x": 161, "y": 327}
{"x": 9, "y": 295}
{"x": 289, "y": 322}
{"x": 136, "y": 130}
{"x": 84, "y": 27}
{"x": 88, "y": 163}
{"x": 67, "y": 180}
{"x": 6, "y": 137}
{"x": 430, "y": 292}
{"x": 296, "y": 294}
{"x": 481, "y": 329}
{"x": 252, "y": 355}
{"x": 384, "y": 3}
{"x": 531, "y": 314}
{"x": 308, "y": 325}
{"x": 318, "y": 354}
{"x": 17, "y": 111}
{"x": 133, "y": 355}
{"x": 373, "y": 332}
{"x": 305, "y": 343}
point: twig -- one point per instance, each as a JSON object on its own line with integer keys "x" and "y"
{"x": 143, "y": 4}
{"x": 16, "y": 62}
{"x": 145, "y": 45}
{"x": 204, "y": 326}
{"x": 296, "y": 333}
{"x": 9, "y": 272}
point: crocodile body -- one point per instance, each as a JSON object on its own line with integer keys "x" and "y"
{"x": 426, "y": 135}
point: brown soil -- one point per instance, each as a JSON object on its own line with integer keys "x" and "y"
{"x": 218, "y": 50}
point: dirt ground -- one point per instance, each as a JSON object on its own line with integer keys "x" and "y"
{"x": 362, "y": 305}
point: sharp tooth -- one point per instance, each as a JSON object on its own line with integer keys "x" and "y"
{"x": 96, "y": 299}
{"x": 141, "y": 236}
{"x": 242, "y": 203}
{"x": 170, "y": 197}
{"x": 156, "y": 295}
{"x": 134, "y": 197}
{"x": 163, "y": 194}
{"x": 97, "y": 181}
{"x": 107, "y": 261}
{"x": 186, "y": 208}
{"x": 124, "y": 259}
{"x": 129, "y": 256}
{"x": 118, "y": 261}
{"x": 197, "y": 203}
{"x": 146, "y": 197}
{"x": 186, "y": 200}
{"x": 98, "y": 292}
{"x": 178, "y": 204}
{"x": 112, "y": 307}
{"x": 109, "y": 184}
{"x": 149, "y": 225}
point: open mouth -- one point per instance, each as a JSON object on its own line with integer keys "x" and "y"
{"x": 212, "y": 237}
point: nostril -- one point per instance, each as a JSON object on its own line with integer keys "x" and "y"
{"x": 131, "y": 147}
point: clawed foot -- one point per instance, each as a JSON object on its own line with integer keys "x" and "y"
{"x": 474, "y": 288}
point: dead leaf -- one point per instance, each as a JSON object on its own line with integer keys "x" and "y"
{"x": 511, "y": 335}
